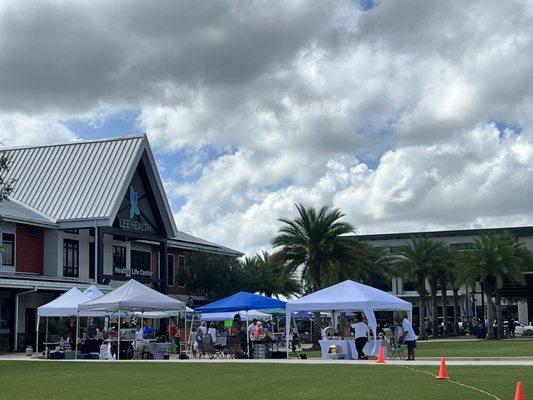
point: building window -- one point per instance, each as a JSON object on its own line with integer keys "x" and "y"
{"x": 410, "y": 284}
{"x": 170, "y": 270}
{"x": 141, "y": 263}
{"x": 461, "y": 246}
{"x": 395, "y": 249}
{"x": 181, "y": 270}
{"x": 71, "y": 256}
{"x": 8, "y": 249}
{"x": 119, "y": 260}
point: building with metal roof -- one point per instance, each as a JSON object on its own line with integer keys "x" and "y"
{"x": 87, "y": 212}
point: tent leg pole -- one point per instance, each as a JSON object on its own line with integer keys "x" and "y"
{"x": 77, "y": 335}
{"x": 190, "y": 333}
{"x": 37, "y": 337}
{"x": 287, "y": 329}
{"x": 46, "y": 335}
{"x": 247, "y": 336}
{"x": 118, "y": 343}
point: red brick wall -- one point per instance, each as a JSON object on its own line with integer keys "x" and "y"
{"x": 176, "y": 289}
{"x": 29, "y": 249}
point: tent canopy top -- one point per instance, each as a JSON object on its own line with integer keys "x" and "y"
{"x": 92, "y": 292}
{"x": 348, "y": 296}
{"x": 241, "y": 301}
{"x": 133, "y": 296}
{"x": 66, "y": 305}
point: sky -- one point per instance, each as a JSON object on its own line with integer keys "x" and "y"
{"x": 408, "y": 115}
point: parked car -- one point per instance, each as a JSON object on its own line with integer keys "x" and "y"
{"x": 521, "y": 329}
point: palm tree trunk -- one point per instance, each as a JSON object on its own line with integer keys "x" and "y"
{"x": 444, "y": 296}
{"x": 434, "y": 313}
{"x": 490, "y": 311}
{"x": 422, "y": 334}
{"x": 498, "y": 306}
{"x": 318, "y": 325}
{"x": 456, "y": 311}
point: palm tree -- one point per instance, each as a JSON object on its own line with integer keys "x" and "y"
{"x": 278, "y": 280}
{"x": 419, "y": 258}
{"x": 495, "y": 258}
{"x": 313, "y": 243}
{"x": 265, "y": 275}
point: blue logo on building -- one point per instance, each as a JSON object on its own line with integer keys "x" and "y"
{"x": 134, "y": 203}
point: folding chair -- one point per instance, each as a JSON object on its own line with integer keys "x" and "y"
{"x": 233, "y": 346}
{"x": 209, "y": 347}
{"x": 394, "y": 350}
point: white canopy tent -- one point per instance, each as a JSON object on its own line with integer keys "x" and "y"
{"x": 348, "y": 296}
{"x": 65, "y": 305}
{"x": 227, "y": 316}
{"x": 92, "y": 292}
{"x": 133, "y": 296}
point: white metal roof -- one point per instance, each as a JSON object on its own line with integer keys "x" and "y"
{"x": 185, "y": 241}
{"x": 77, "y": 180}
{"x": 14, "y": 211}
{"x": 81, "y": 181}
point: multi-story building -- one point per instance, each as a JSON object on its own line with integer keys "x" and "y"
{"x": 519, "y": 303}
{"x": 81, "y": 213}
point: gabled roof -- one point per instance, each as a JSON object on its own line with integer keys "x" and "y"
{"x": 85, "y": 180}
{"x": 185, "y": 241}
{"x": 14, "y": 211}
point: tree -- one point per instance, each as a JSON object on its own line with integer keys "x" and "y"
{"x": 495, "y": 258}
{"x": 6, "y": 185}
{"x": 313, "y": 243}
{"x": 419, "y": 258}
{"x": 267, "y": 275}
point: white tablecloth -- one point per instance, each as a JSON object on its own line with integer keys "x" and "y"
{"x": 159, "y": 350}
{"x": 347, "y": 346}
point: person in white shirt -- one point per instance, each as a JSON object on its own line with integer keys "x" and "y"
{"x": 361, "y": 336}
{"x": 408, "y": 336}
{"x": 138, "y": 332}
{"x": 203, "y": 328}
{"x": 213, "y": 332}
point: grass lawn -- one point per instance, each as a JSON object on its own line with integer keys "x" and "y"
{"x": 70, "y": 380}
{"x": 473, "y": 348}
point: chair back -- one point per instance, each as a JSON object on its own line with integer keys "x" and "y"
{"x": 207, "y": 343}
{"x": 388, "y": 333}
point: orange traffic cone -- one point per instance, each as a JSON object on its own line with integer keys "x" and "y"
{"x": 381, "y": 357}
{"x": 443, "y": 372}
{"x": 519, "y": 393}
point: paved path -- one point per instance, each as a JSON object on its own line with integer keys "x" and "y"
{"x": 525, "y": 361}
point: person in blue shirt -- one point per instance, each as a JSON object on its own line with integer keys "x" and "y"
{"x": 148, "y": 330}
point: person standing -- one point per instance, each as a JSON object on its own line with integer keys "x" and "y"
{"x": 361, "y": 336}
{"x": 408, "y": 336}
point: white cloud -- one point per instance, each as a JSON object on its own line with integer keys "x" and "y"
{"x": 19, "y": 129}
{"x": 293, "y": 95}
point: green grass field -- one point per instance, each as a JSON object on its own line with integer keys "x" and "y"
{"x": 473, "y": 348}
{"x": 70, "y": 380}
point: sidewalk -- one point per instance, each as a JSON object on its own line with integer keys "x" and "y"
{"x": 479, "y": 361}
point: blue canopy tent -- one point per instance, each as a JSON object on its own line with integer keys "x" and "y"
{"x": 241, "y": 301}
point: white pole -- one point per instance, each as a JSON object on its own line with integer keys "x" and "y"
{"x": 287, "y": 329}
{"x": 190, "y": 332}
{"x": 118, "y": 344}
{"x": 247, "y": 335}
{"x": 46, "y": 333}
{"x": 37, "y": 337}
{"x": 77, "y": 335}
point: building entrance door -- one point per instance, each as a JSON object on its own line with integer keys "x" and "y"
{"x": 31, "y": 322}
{"x": 6, "y": 320}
